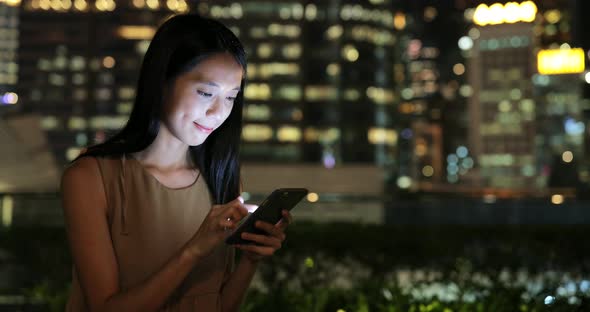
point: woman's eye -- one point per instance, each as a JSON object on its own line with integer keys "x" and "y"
{"x": 231, "y": 98}
{"x": 205, "y": 94}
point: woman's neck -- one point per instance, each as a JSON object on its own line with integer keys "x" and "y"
{"x": 165, "y": 153}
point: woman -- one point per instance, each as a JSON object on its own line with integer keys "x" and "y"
{"x": 147, "y": 211}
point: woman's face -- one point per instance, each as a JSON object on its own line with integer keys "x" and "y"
{"x": 201, "y": 100}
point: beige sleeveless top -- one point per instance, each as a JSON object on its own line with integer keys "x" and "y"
{"x": 149, "y": 223}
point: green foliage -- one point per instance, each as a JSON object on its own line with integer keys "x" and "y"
{"x": 361, "y": 268}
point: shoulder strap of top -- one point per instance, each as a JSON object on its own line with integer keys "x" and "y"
{"x": 113, "y": 178}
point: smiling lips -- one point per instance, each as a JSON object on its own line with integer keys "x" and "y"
{"x": 203, "y": 128}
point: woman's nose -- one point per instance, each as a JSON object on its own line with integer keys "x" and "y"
{"x": 215, "y": 110}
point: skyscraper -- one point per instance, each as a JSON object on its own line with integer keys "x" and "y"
{"x": 79, "y": 62}
{"x": 502, "y": 108}
{"x": 9, "y": 37}
{"x": 320, "y": 79}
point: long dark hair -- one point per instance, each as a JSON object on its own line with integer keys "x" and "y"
{"x": 177, "y": 47}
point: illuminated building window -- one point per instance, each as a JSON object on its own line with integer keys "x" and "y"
{"x": 382, "y": 136}
{"x": 153, "y": 4}
{"x": 77, "y": 123}
{"x": 235, "y": 30}
{"x": 351, "y": 94}
{"x": 78, "y": 79}
{"x": 60, "y": 63}
{"x": 136, "y": 32}
{"x": 257, "y": 91}
{"x": 257, "y": 112}
{"x": 289, "y": 134}
{"x": 319, "y": 93}
{"x": 399, "y": 21}
{"x": 359, "y": 13}
{"x": 311, "y": 135}
{"x": 380, "y": 95}
{"x": 334, "y": 32}
{"x": 77, "y": 63}
{"x": 264, "y": 50}
{"x": 177, "y": 5}
{"x": 142, "y": 46}
{"x": 510, "y": 12}
{"x": 292, "y": 50}
{"x": 291, "y": 93}
{"x": 252, "y": 71}
{"x": 49, "y": 123}
{"x": 333, "y": 69}
{"x": 297, "y": 11}
{"x": 103, "y": 94}
{"x": 258, "y": 32}
{"x": 328, "y": 135}
{"x": 350, "y": 53}
{"x": 372, "y": 35}
{"x": 267, "y": 70}
{"x": 108, "y": 122}
{"x": 126, "y": 93}
{"x": 140, "y": 4}
{"x": 290, "y": 31}
{"x": 57, "y": 79}
{"x": 311, "y": 12}
{"x": 109, "y": 5}
{"x": 80, "y": 5}
{"x": 257, "y": 133}
{"x": 72, "y": 153}
{"x": 124, "y": 107}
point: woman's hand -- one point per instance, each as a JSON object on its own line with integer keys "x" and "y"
{"x": 267, "y": 244}
{"x": 217, "y": 224}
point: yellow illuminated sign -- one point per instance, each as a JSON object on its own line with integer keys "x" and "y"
{"x": 136, "y": 32}
{"x": 558, "y": 61}
{"x": 508, "y": 13}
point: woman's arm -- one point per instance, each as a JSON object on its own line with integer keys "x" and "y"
{"x": 266, "y": 245}
{"x": 235, "y": 288}
{"x": 85, "y": 211}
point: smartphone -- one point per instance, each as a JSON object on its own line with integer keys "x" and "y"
{"x": 270, "y": 210}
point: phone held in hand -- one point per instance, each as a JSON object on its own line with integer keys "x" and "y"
{"x": 270, "y": 210}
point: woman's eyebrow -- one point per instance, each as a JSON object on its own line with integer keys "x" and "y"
{"x": 213, "y": 84}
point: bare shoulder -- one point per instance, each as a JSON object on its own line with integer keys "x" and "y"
{"x": 83, "y": 179}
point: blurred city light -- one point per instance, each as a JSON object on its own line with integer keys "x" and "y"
{"x": 7, "y": 210}
{"x": 428, "y": 171}
{"x": 557, "y": 199}
{"x": 313, "y": 197}
{"x": 465, "y": 43}
{"x": 510, "y": 12}
{"x": 560, "y": 61}
{"x": 132, "y": 32}
{"x": 404, "y": 182}
{"x": 567, "y": 156}
{"x": 9, "y": 98}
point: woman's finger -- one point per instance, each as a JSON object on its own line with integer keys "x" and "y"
{"x": 261, "y": 250}
{"x": 263, "y": 240}
{"x": 235, "y": 211}
{"x": 285, "y": 221}
{"x": 270, "y": 229}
